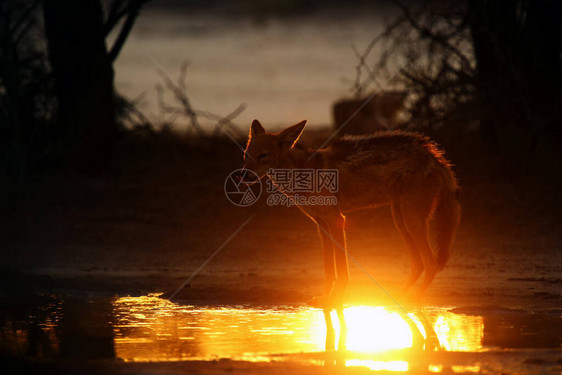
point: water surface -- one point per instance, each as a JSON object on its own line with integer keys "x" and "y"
{"x": 149, "y": 328}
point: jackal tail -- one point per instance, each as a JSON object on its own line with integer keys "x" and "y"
{"x": 446, "y": 217}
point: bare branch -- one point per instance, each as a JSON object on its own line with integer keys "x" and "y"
{"x": 116, "y": 12}
{"x": 132, "y": 11}
{"x": 359, "y": 85}
{"x": 180, "y": 93}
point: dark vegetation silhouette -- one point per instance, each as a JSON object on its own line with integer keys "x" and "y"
{"x": 462, "y": 63}
{"x": 517, "y": 49}
{"x": 27, "y": 102}
{"x": 496, "y": 65}
{"x": 58, "y": 105}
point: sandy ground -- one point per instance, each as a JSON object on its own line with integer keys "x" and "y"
{"x": 161, "y": 211}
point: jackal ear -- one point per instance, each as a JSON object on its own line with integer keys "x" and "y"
{"x": 288, "y": 137}
{"x": 256, "y": 128}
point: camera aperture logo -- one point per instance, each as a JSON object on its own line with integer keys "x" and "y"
{"x": 238, "y": 191}
{"x": 286, "y": 187}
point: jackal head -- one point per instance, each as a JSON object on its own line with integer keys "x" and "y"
{"x": 267, "y": 150}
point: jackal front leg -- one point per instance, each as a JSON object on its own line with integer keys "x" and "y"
{"x": 324, "y": 300}
{"x": 337, "y": 230}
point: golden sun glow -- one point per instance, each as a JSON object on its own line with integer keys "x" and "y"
{"x": 374, "y": 329}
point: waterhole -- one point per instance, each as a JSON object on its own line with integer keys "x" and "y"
{"x": 149, "y": 328}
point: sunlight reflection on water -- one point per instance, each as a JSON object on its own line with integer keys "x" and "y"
{"x": 149, "y": 328}
{"x": 152, "y": 329}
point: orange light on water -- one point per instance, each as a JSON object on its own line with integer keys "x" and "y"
{"x": 152, "y": 329}
{"x": 378, "y": 365}
{"x": 459, "y": 333}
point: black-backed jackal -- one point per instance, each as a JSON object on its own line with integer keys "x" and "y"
{"x": 404, "y": 170}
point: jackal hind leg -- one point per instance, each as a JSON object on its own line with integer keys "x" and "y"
{"x": 415, "y": 213}
{"x": 416, "y": 262}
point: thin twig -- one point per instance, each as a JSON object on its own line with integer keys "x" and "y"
{"x": 178, "y": 88}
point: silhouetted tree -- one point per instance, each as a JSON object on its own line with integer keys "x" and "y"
{"x": 27, "y": 105}
{"x": 494, "y": 61}
{"x": 517, "y": 49}
{"x": 83, "y": 71}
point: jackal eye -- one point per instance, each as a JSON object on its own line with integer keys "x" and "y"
{"x": 262, "y": 156}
